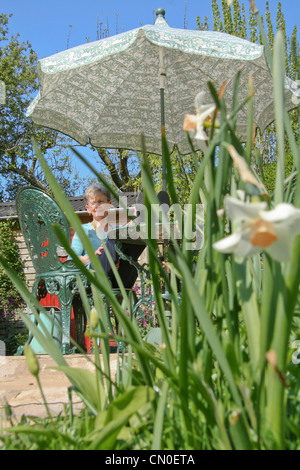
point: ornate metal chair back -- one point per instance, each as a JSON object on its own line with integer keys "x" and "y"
{"x": 37, "y": 212}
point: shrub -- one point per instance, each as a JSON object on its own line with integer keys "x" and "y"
{"x": 10, "y": 298}
{"x": 9, "y": 295}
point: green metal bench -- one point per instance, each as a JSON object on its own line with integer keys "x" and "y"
{"x": 37, "y": 212}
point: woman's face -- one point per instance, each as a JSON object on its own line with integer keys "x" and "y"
{"x": 98, "y": 205}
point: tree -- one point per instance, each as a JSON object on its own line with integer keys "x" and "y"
{"x": 122, "y": 167}
{"x": 18, "y": 164}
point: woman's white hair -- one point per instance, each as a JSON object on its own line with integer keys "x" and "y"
{"x": 94, "y": 189}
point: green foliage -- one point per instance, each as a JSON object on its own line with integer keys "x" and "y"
{"x": 14, "y": 339}
{"x": 65, "y": 432}
{"x": 270, "y": 172}
{"x": 18, "y": 63}
{"x": 10, "y": 298}
{"x": 233, "y": 21}
{"x": 9, "y": 250}
{"x": 184, "y": 170}
{"x": 208, "y": 384}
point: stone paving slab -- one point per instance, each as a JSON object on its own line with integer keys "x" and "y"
{"x": 19, "y": 388}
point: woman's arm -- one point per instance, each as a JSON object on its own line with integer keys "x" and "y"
{"x": 78, "y": 249}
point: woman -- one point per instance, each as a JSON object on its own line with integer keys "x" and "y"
{"x": 97, "y": 200}
{"x": 97, "y": 203}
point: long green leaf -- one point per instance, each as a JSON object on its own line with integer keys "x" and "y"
{"x": 85, "y": 383}
{"x": 118, "y": 415}
{"x": 207, "y": 326}
{"x": 100, "y": 278}
{"x": 248, "y": 302}
{"x": 279, "y": 107}
{"x": 42, "y": 336}
{"x": 159, "y": 417}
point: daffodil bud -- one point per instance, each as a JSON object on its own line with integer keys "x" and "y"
{"x": 94, "y": 319}
{"x": 31, "y": 359}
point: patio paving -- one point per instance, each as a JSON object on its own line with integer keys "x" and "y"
{"x": 19, "y": 388}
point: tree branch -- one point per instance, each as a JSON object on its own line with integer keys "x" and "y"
{"x": 123, "y": 168}
{"x": 28, "y": 176}
{"x": 111, "y": 167}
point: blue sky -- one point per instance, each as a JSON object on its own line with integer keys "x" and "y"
{"x": 46, "y": 24}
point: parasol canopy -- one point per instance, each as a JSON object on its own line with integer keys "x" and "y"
{"x": 108, "y": 92}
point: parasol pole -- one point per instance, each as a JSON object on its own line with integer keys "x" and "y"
{"x": 162, "y": 77}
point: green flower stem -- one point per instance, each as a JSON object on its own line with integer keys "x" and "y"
{"x": 95, "y": 323}
{"x": 270, "y": 284}
{"x": 250, "y": 310}
{"x": 284, "y": 314}
{"x": 99, "y": 378}
{"x": 278, "y": 70}
{"x": 43, "y": 397}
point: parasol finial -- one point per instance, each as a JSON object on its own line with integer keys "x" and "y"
{"x": 160, "y": 12}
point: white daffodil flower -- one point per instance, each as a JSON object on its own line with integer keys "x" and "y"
{"x": 260, "y": 229}
{"x": 194, "y": 122}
